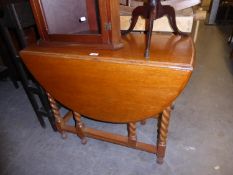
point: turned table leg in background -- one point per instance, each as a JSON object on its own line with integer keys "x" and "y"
{"x": 163, "y": 123}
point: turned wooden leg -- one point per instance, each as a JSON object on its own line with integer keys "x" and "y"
{"x": 143, "y": 122}
{"x": 163, "y": 123}
{"x": 132, "y": 135}
{"x": 58, "y": 119}
{"x": 149, "y": 32}
{"x": 79, "y": 127}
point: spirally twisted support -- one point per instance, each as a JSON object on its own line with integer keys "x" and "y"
{"x": 132, "y": 133}
{"x": 79, "y": 127}
{"x": 58, "y": 119}
{"x": 162, "y": 133}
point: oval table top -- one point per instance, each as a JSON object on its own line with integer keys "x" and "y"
{"x": 114, "y": 85}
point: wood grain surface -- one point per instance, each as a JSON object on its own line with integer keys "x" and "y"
{"x": 114, "y": 86}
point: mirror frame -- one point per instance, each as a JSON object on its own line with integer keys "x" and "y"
{"x": 108, "y": 38}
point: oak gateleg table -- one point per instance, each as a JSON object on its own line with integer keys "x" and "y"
{"x": 117, "y": 86}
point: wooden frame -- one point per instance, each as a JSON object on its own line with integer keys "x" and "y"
{"x": 129, "y": 141}
{"x": 108, "y": 38}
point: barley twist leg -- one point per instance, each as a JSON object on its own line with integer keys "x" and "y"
{"x": 163, "y": 123}
{"x": 79, "y": 127}
{"x": 58, "y": 119}
{"x": 132, "y": 133}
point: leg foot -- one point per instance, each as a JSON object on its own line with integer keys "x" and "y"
{"x": 84, "y": 141}
{"x": 64, "y": 135}
{"x": 160, "y": 160}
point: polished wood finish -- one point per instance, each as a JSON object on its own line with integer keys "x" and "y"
{"x": 114, "y": 77}
{"x": 109, "y": 36}
{"x": 114, "y": 86}
{"x": 113, "y": 138}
